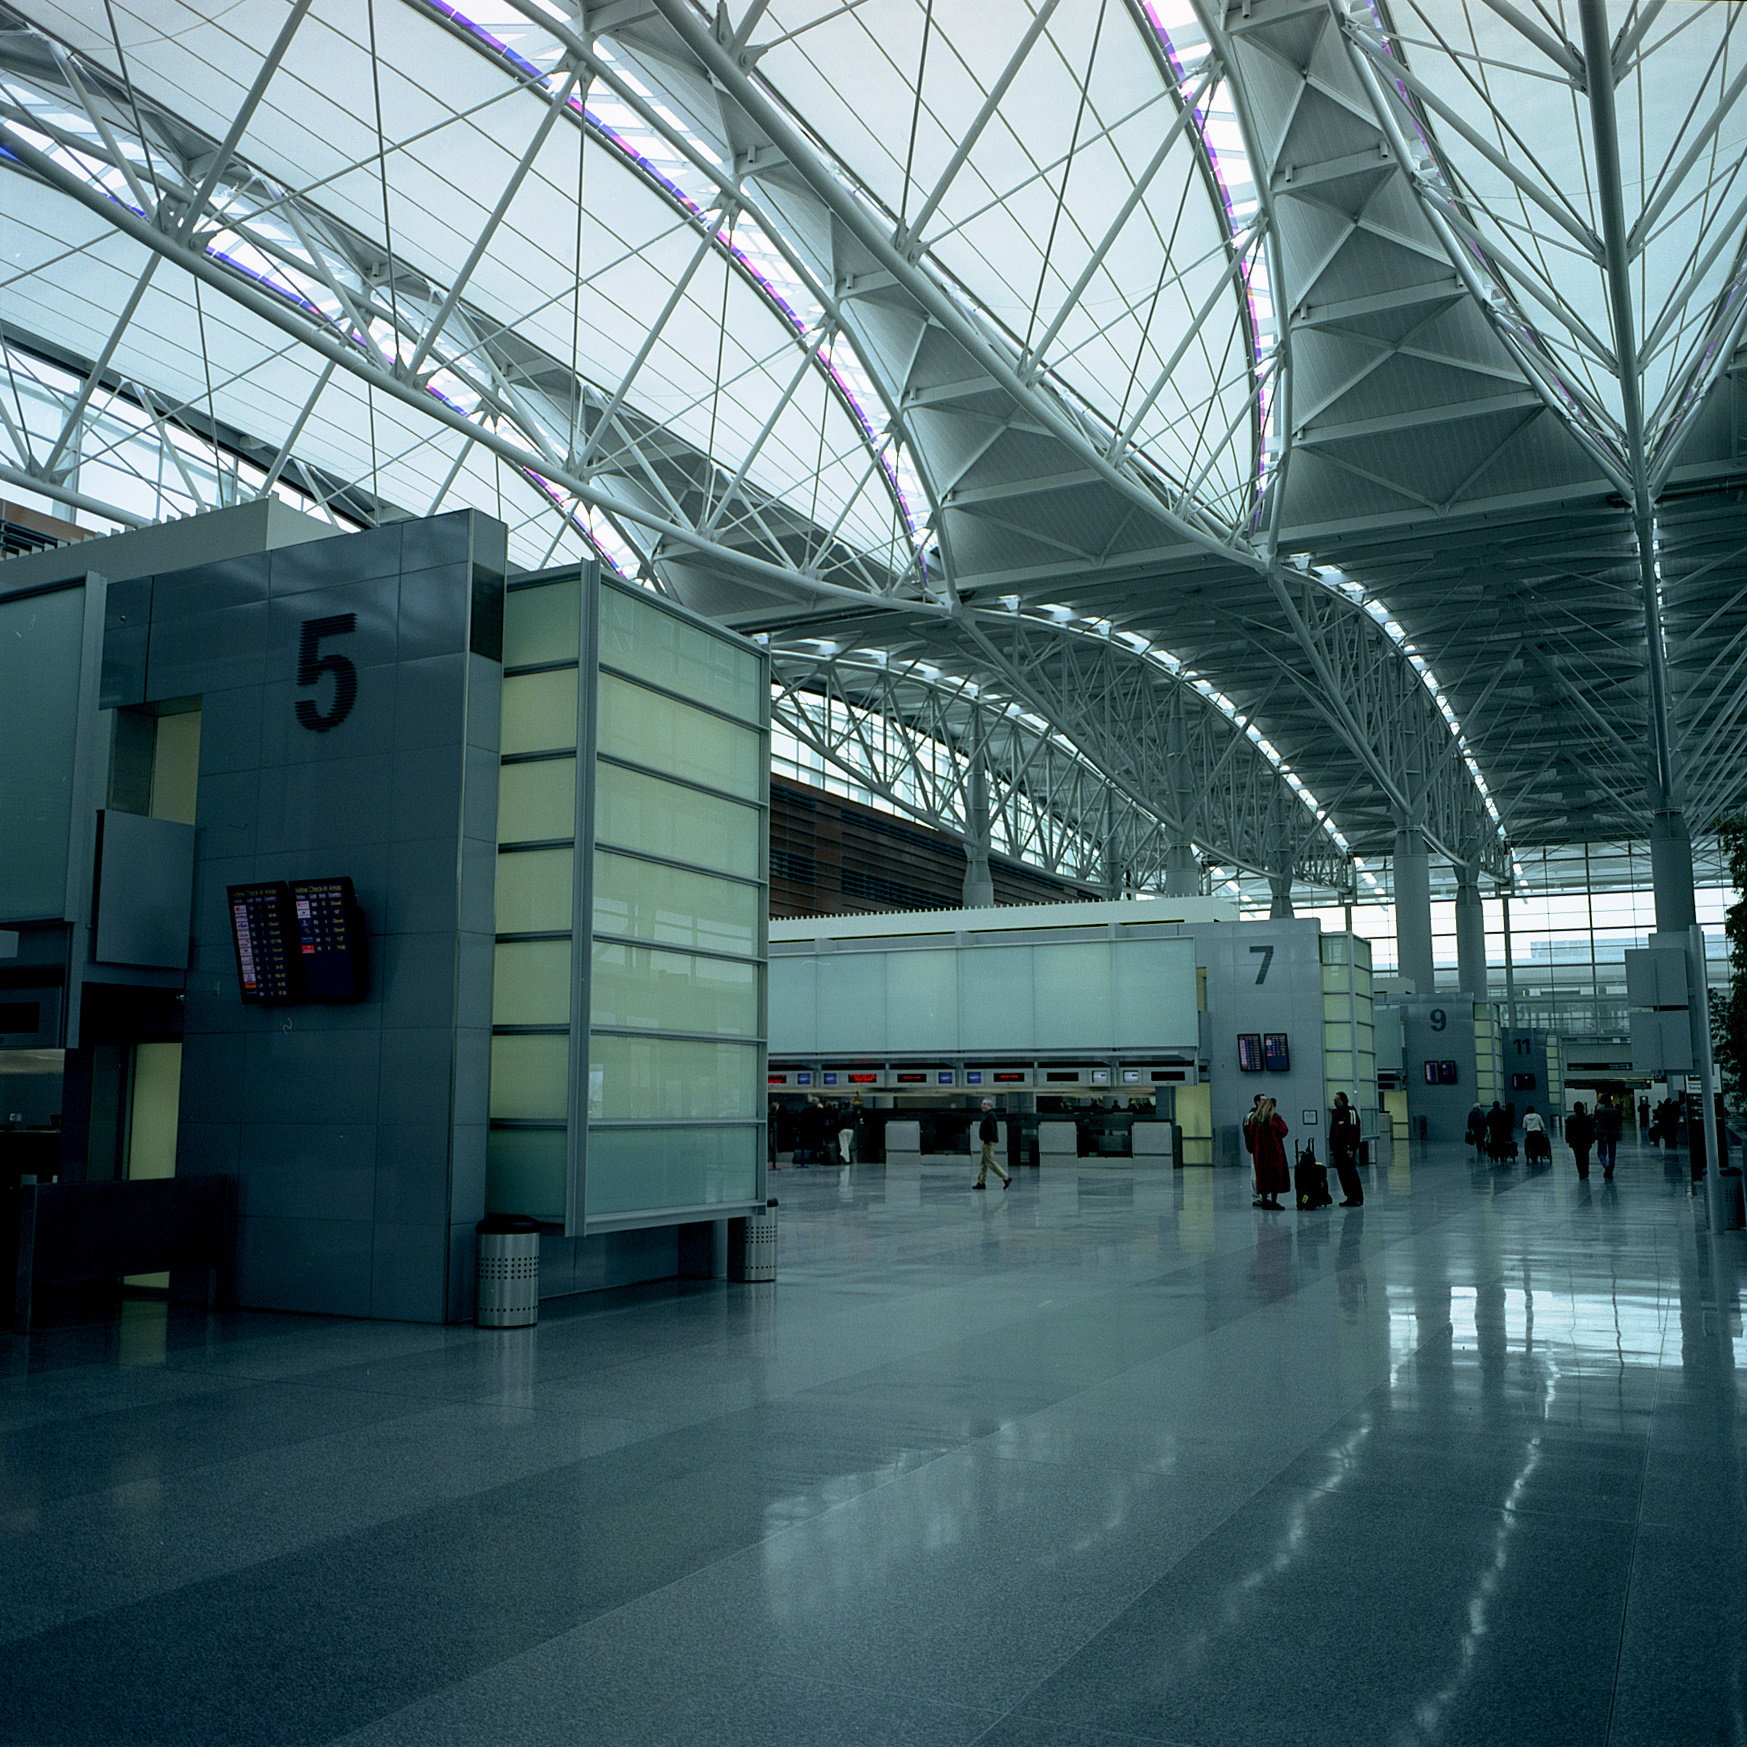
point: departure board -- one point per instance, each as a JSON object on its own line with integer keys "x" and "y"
{"x": 261, "y": 929}
{"x": 329, "y": 939}
{"x": 298, "y": 940}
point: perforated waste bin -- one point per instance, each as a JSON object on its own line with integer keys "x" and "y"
{"x": 752, "y": 1245}
{"x": 1734, "y": 1202}
{"x": 509, "y": 1272}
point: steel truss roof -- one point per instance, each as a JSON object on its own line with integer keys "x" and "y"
{"x": 1213, "y": 425}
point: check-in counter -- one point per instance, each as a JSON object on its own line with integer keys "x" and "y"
{"x": 1153, "y": 1140}
{"x": 1057, "y": 1143}
{"x": 903, "y": 1140}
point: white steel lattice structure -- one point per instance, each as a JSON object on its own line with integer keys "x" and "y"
{"x": 1190, "y": 431}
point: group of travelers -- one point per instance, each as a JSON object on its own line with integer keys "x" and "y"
{"x": 1492, "y": 1132}
{"x": 1264, "y": 1132}
{"x": 826, "y": 1132}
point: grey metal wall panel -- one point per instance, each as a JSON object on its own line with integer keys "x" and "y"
{"x": 356, "y": 1132}
{"x": 145, "y": 891}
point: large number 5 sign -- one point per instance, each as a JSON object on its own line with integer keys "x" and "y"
{"x": 312, "y": 664}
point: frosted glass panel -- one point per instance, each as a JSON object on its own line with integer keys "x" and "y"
{"x": 643, "y": 812}
{"x": 664, "y": 1080}
{"x": 531, "y": 983}
{"x": 526, "y": 1172}
{"x": 643, "y": 639}
{"x": 40, "y": 641}
{"x": 794, "y": 1005}
{"x": 1336, "y": 978}
{"x": 534, "y": 890}
{"x": 1338, "y": 1065}
{"x": 1073, "y": 995}
{"x": 1337, "y": 1006}
{"x": 540, "y": 624}
{"x": 636, "y": 1170}
{"x": 921, "y": 1000}
{"x": 995, "y": 998}
{"x": 1154, "y": 997}
{"x": 852, "y": 1001}
{"x": 1337, "y": 1037}
{"x": 673, "y": 906}
{"x": 530, "y": 1077}
{"x": 647, "y": 728}
{"x": 539, "y": 711}
{"x": 673, "y": 991}
{"x": 536, "y": 800}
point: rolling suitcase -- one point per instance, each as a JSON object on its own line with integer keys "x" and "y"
{"x": 1310, "y": 1180}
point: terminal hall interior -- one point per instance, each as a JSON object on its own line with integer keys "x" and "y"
{"x": 627, "y": 626}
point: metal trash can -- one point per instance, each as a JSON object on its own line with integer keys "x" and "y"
{"x": 752, "y": 1246}
{"x": 509, "y": 1271}
{"x": 1734, "y": 1201}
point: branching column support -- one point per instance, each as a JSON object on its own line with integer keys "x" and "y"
{"x": 1670, "y": 844}
{"x": 979, "y": 882}
{"x": 1671, "y": 848}
{"x": 1471, "y": 975}
{"x": 1413, "y": 907}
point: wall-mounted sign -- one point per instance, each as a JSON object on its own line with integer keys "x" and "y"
{"x": 1276, "y": 1056}
{"x": 911, "y": 1079}
{"x": 1249, "y": 1052}
{"x": 946, "y": 1076}
{"x": 864, "y": 1079}
{"x": 973, "y": 1076}
{"x": 1009, "y": 1079}
{"x": 261, "y": 929}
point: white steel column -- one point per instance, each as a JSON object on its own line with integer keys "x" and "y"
{"x": 1470, "y": 933}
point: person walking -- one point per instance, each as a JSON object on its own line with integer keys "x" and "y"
{"x": 1608, "y": 1122}
{"x": 988, "y": 1132}
{"x": 1644, "y": 1119}
{"x": 1537, "y": 1149}
{"x": 1580, "y": 1136}
{"x": 1343, "y": 1150}
{"x": 1497, "y": 1132}
{"x": 1265, "y": 1136}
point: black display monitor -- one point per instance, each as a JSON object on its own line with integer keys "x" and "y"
{"x": 1446, "y": 1073}
{"x": 1522, "y": 1082}
{"x": 1276, "y": 1056}
{"x": 1249, "y": 1052}
{"x": 330, "y": 939}
{"x": 262, "y": 927}
{"x": 298, "y": 940}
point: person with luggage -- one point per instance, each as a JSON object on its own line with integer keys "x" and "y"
{"x": 1265, "y": 1137}
{"x": 1475, "y": 1134}
{"x": 1580, "y": 1137}
{"x": 1644, "y": 1118}
{"x": 1497, "y": 1132}
{"x": 1537, "y": 1148}
{"x": 1343, "y": 1150}
{"x": 988, "y": 1132}
{"x": 1608, "y": 1122}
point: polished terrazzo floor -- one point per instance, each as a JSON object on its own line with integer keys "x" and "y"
{"x": 1106, "y": 1458}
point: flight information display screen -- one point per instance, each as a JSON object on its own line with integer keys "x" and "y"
{"x": 1276, "y": 1052}
{"x": 1249, "y": 1052}
{"x": 261, "y": 929}
{"x": 298, "y": 940}
{"x": 329, "y": 939}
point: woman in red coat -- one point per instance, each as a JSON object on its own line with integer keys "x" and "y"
{"x": 1265, "y": 1136}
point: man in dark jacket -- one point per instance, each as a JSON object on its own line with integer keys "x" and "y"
{"x": 988, "y": 1132}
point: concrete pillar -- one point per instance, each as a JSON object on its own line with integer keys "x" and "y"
{"x": 1413, "y": 909}
{"x": 1280, "y": 884}
{"x": 1509, "y": 964}
{"x": 1470, "y": 933}
{"x": 1182, "y": 872}
{"x": 979, "y": 883}
{"x": 1671, "y": 871}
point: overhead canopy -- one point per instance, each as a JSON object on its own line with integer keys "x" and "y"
{"x": 1364, "y": 383}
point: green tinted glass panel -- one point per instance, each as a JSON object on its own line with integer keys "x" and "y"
{"x": 643, "y": 639}
{"x": 643, "y": 812}
{"x": 672, "y": 905}
{"x": 531, "y": 983}
{"x": 539, "y": 711}
{"x": 526, "y": 1172}
{"x": 534, "y": 890}
{"x": 672, "y": 991}
{"x": 41, "y": 638}
{"x": 530, "y": 1077}
{"x": 536, "y": 800}
{"x": 636, "y": 1170}
{"x": 664, "y": 1080}
{"x": 540, "y": 624}
{"x": 647, "y": 728}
